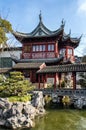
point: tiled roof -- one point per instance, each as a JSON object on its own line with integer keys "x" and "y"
{"x": 64, "y": 68}
{"x": 42, "y": 31}
{"x": 54, "y": 61}
{"x": 27, "y": 65}
{"x": 46, "y": 61}
{"x": 5, "y": 70}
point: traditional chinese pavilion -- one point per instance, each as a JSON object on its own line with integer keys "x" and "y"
{"x": 48, "y": 56}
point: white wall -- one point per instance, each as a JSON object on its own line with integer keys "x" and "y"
{"x": 16, "y": 53}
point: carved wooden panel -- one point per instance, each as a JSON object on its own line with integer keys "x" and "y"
{"x": 50, "y": 54}
{"x": 26, "y": 55}
{"x": 38, "y": 55}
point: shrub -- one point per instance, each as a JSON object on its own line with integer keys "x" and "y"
{"x": 24, "y": 98}
{"x": 15, "y": 85}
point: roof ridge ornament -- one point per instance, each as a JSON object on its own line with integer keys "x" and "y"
{"x": 62, "y": 23}
{"x": 70, "y": 32}
{"x": 40, "y": 16}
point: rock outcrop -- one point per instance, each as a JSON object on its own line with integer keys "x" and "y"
{"x": 80, "y": 102}
{"x": 20, "y": 114}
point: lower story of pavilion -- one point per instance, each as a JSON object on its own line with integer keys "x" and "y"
{"x": 58, "y": 76}
{"x": 57, "y": 80}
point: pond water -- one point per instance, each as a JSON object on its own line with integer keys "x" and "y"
{"x": 63, "y": 119}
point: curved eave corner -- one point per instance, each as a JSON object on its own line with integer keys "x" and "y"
{"x": 45, "y": 32}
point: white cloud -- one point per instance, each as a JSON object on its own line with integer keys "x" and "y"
{"x": 82, "y": 6}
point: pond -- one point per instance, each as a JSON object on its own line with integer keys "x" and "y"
{"x": 64, "y": 119}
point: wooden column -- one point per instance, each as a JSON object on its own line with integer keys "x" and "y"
{"x": 42, "y": 78}
{"x": 31, "y": 51}
{"x": 73, "y": 54}
{"x": 46, "y": 77}
{"x": 39, "y": 81}
{"x": 59, "y": 80}
{"x": 74, "y": 80}
{"x": 66, "y": 52}
{"x": 56, "y": 49}
{"x": 46, "y": 49}
{"x": 30, "y": 75}
{"x": 22, "y": 55}
{"x": 44, "y": 81}
{"x": 55, "y": 81}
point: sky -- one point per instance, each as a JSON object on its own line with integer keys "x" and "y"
{"x": 24, "y": 17}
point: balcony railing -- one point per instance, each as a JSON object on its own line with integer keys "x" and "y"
{"x": 36, "y": 55}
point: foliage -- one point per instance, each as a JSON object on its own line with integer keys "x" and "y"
{"x": 2, "y": 78}
{"x": 66, "y": 100}
{"x": 24, "y": 98}
{"x": 47, "y": 99}
{"x": 15, "y": 85}
{"x": 5, "y": 27}
{"x": 50, "y": 85}
{"x": 82, "y": 80}
{"x": 84, "y": 58}
{"x": 63, "y": 84}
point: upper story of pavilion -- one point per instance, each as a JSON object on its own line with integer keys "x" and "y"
{"x": 43, "y": 43}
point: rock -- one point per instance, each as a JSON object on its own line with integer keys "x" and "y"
{"x": 18, "y": 122}
{"x": 1, "y": 113}
{"x": 12, "y": 123}
{"x": 79, "y": 103}
{"x": 21, "y": 114}
{"x": 38, "y": 102}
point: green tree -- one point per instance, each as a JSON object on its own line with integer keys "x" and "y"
{"x": 15, "y": 85}
{"x": 84, "y": 58}
{"x": 82, "y": 80}
{"x": 5, "y": 27}
{"x": 2, "y": 80}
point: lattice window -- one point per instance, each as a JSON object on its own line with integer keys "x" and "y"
{"x": 51, "y": 47}
{"x": 38, "y": 48}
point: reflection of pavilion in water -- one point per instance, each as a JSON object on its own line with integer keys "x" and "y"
{"x": 48, "y": 56}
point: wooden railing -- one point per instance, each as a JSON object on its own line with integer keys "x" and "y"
{"x": 37, "y": 55}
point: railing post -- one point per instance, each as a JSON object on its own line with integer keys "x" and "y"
{"x": 55, "y": 81}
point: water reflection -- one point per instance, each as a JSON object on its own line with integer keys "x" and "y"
{"x": 62, "y": 120}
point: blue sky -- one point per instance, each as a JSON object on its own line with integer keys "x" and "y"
{"x": 24, "y": 16}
